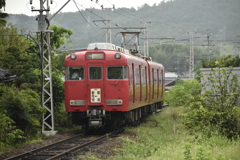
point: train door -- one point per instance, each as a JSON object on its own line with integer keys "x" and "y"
{"x": 95, "y": 81}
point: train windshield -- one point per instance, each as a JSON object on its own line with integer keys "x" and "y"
{"x": 74, "y": 73}
{"x": 117, "y": 72}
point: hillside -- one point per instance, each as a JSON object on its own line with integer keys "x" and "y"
{"x": 171, "y": 19}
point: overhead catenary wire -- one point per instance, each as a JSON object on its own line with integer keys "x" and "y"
{"x": 93, "y": 14}
{"x": 115, "y": 24}
{"x": 81, "y": 13}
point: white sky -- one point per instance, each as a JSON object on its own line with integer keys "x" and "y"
{"x": 24, "y": 7}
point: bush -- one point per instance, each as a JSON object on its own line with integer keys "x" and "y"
{"x": 216, "y": 108}
{"x": 183, "y": 93}
{"x": 9, "y": 134}
{"x": 22, "y": 106}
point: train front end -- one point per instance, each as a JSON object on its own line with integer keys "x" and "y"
{"x": 96, "y": 85}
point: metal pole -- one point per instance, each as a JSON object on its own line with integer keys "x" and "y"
{"x": 108, "y": 35}
{"x": 46, "y": 66}
{"x": 46, "y": 69}
{"x": 146, "y": 52}
{"x": 191, "y": 58}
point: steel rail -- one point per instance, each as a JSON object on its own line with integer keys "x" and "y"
{"x": 66, "y": 153}
{"x": 32, "y": 152}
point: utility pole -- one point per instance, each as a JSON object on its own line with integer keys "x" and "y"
{"x": 108, "y": 34}
{"x": 46, "y": 65}
{"x": 208, "y": 36}
{"x": 191, "y": 58}
{"x": 108, "y": 24}
{"x": 221, "y": 32}
{"x": 208, "y": 46}
{"x": 238, "y": 35}
{"x": 108, "y": 29}
{"x": 237, "y": 44}
{"x": 145, "y": 32}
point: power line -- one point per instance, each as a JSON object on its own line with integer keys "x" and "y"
{"x": 81, "y": 13}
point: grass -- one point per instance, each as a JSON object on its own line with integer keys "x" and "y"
{"x": 169, "y": 140}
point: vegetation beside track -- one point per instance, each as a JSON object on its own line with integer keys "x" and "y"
{"x": 201, "y": 124}
{"x": 20, "y": 100}
{"x": 168, "y": 139}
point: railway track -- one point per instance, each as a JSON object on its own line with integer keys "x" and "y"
{"x": 65, "y": 148}
{"x": 160, "y": 110}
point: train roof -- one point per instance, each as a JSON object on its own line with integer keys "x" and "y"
{"x": 107, "y": 46}
{"x": 110, "y": 46}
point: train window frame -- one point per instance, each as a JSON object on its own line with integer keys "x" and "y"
{"x": 72, "y": 74}
{"x": 90, "y": 74}
{"x": 115, "y": 75}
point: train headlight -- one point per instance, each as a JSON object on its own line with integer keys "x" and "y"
{"x": 73, "y": 56}
{"x": 117, "y": 55}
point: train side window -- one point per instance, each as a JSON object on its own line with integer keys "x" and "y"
{"x": 155, "y": 79}
{"x": 117, "y": 72}
{"x": 160, "y": 78}
{"x": 143, "y": 76}
{"x": 95, "y": 73}
{"x": 137, "y": 80}
{"x": 74, "y": 73}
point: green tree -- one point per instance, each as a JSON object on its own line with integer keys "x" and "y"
{"x": 59, "y": 36}
{"x": 2, "y": 15}
{"x": 15, "y": 56}
{"x": 22, "y": 107}
{"x": 227, "y": 61}
{"x": 20, "y": 98}
{"x": 9, "y": 134}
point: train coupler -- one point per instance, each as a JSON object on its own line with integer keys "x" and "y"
{"x": 96, "y": 117}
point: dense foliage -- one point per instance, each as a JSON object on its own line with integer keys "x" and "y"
{"x": 20, "y": 103}
{"x": 211, "y": 105}
{"x": 2, "y": 15}
{"x": 227, "y": 61}
{"x": 183, "y": 92}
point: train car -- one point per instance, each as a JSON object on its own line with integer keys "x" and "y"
{"x": 107, "y": 87}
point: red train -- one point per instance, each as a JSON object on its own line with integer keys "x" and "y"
{"x": 106, "y": 86}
